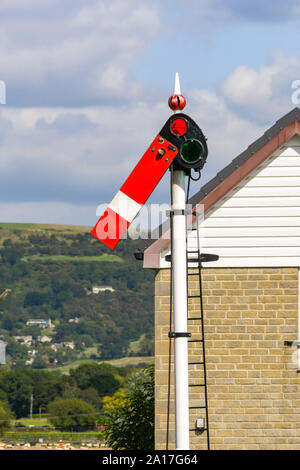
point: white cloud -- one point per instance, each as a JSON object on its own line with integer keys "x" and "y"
{"x": 228, "y": 133}
{"x": 83, "y": 56}
{"x": 246, "y": 83}
{"x": 11, "y": 4}
{"x": 81, "y": 156}
{"x": 264, "y": 93}
{"x": 58, "y": 163}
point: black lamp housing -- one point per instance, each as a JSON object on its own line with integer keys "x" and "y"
{"x": 190, "y": 141}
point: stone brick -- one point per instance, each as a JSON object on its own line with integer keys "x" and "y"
{"x": 253, "y": 385}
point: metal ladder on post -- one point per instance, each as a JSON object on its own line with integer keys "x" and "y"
{"x": 195, "y": 257}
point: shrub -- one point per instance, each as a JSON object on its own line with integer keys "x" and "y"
{"x": 71, "y": 414}
{"x": 130, "y": 414}
{"x": 5, "y": 417}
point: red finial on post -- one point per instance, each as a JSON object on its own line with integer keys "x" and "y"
{"x": 177, "y": 101}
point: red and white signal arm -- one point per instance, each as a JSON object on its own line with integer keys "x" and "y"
{"x": 135, "y": 191}
{"x": 139, "y": 185}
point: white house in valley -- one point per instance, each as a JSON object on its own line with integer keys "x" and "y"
{"x": 2, "y": 352}
{"x": 99, "y": 289}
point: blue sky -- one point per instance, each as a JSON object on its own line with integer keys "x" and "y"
{"x": 88, "y": 83}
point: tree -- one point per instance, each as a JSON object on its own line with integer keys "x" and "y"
{"x": 5, "y": 417}
{"x": 16, "y": 350}
{"x": 47, "y": 386}
{"x": 18, "y": 387}
{"x": 130, "y": 414}
{"x": 97, "y": 376}
{"x": 71, "y": 414}
{"x": 36, "y": 298}
{"x": 8, "y": 322}
{"x": 39, "y": 362}
{"x": 89, "y": 395}
{"x": 10, "y": 253}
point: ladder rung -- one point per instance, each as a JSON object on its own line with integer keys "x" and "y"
{"x": 195, "y": 263}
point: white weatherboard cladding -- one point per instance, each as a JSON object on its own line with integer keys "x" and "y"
{"x": 257, "y": 224}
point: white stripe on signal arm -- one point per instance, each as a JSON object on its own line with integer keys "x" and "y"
{"x": 125, "y": 206}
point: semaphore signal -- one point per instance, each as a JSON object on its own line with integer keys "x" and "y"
{"x": 181, "y": 147}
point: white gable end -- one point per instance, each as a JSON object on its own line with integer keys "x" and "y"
{"x": 257, "y": 224}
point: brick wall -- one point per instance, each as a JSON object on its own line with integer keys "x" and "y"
{"x": 253, "y": 385}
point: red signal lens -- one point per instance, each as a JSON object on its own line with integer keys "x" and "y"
{"x": 178, "y": 126}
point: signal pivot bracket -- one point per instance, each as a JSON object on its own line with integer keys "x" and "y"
{"x": 173, "y": 334}
{"x": 177, "y": 212}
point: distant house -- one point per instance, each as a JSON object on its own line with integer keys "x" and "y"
{"x": 74, "y": 320}
{"x": 32, "y": 352}
{"x": 56, "y": 346}
{"x": 40, "y": 323}
{"x": 98, "y": 289}
{"x": 26, "y": 340}
{"x": 44, "y": 339}
{"x": 69, "y": 344}
{"x": 4, "y": 293}
{"x": 2, "y": 352}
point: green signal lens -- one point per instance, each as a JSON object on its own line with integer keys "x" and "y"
{"x": 192, "y": 151}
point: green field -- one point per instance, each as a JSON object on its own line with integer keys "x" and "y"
{"x": 13, "y": 231}
{"x": 32, "y": 421}
{"x": 35, "y": 227}
{"x": 122, "y": 362}
{"x": 51, "y": 435}
{"x": 16, "y": 226}
{"x": 55, "y": 258}
{"x": 52, "y": 269}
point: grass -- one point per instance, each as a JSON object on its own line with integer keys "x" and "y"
{"x": 101, "y": 258}
{"x": 131, "y": 361}
{"x": 88, "y": 352}
{"x": 54, "y": 227}
{"x": 33, "y": 421}
{"x": 122, "y": 362}
{"x": 13, "y": 231}
{"x": 50, "y": 435}
{"x": 15, "y": 226}
{"x": 135, "y": 346}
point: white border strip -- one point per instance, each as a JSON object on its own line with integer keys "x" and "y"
{"x": 125, "y": 206}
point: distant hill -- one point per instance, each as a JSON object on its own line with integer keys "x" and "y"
{"x": 51, "y": 271}
{"x": 15, "y": 230}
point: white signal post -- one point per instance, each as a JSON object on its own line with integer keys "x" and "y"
{"x": 180, "y": 312}
{"x": 119, "y": 214}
